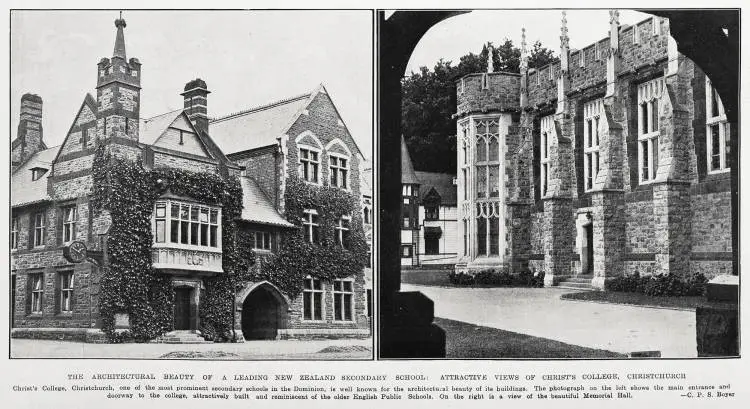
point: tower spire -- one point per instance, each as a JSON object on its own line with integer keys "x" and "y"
{"x": 524, "y": 52}
{"x": 490, "y": 63}
{"x": 564, "y": 39}
{"x": 119, "y": 51}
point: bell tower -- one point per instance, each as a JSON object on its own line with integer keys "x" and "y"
{"x": 118, "y": 91}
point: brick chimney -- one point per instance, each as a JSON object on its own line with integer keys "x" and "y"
{"x": 29, "y": 129}
{"x": 196, "y": 103}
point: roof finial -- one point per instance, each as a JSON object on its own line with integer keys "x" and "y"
{"x": 490, "y": 63}
{"x": 614, "y": 17}
{"x": 564, "y": 40}
{"x": 120, "y": 38}
{"x": 524, "y": 52}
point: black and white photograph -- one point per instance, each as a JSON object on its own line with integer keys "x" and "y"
{"x": 568, "y": 183}
{"x": 191, "y": 184}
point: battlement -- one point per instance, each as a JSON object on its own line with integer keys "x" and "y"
{"x": 488, "y": 92}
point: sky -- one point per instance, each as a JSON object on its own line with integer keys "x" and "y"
{"x": 459, "y": 35}
{"x": 247, "y": 58}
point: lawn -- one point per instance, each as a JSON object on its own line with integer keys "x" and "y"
{"x": 464, "y": 340}
{"x": 612, "y": 297}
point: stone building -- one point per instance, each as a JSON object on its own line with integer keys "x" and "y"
{"x": 611, "y": 161}
{"x": 429, "y": 213}
{"x": 56, "y": 294}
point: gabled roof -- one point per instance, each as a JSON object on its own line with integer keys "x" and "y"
{"x": 24, "y": 190}
{"x": 150, "y": 129}
{"x": 261, "y": 126}
{"x": 257, "y": 127}
{"x": 443, "y": 185}
{"x": 407, "y": 169}
{"x": 257, "y": 207}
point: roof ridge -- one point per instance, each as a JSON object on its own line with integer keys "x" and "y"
{"x": 261, "y": 107}
{"x": 165, "y": 113}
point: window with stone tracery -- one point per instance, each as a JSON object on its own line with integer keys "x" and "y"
{"x": 591, "y": 118}
{"x": 717, "y": 131}
{"x": 465, "y": 147}
{"x": 547, "y": 125}
{"x": 649, "y": 94}
{"x": 487, "y": 159}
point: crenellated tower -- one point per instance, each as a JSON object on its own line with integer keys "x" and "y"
{"x": 118, "y": 90}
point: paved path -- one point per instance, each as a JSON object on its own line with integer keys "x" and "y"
{"x": 28, "y": 348}
{"x": 540, "y": 312}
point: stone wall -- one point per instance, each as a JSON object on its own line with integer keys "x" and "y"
{"x": 639, "y": 232}
{"x": 164, "y": 160}
{"x": 258, "y": 165}
{"x": 498, "y": 91}
{"x": 84, "y": 314}
{"x": 323, "y": 121}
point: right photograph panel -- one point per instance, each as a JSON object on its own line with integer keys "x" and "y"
{"x": 558, "y": 184}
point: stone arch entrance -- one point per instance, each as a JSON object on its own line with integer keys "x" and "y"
{"x": 264, "y": 312}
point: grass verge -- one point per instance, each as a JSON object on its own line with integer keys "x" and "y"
{"x": 464, "y": 340}
{"x": 613, "y": 297}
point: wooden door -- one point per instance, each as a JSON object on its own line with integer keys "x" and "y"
{"x": 182, "y": 308}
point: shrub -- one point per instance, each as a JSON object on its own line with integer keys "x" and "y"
{"x": 500, "y": 278}
{"x": 658, "y": 285}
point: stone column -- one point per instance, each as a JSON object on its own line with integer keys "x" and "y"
{"x": 608, "y": 215}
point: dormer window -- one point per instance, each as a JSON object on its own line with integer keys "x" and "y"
{"x": 37, "y": 173}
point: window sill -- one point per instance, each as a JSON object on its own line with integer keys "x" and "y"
{"x": 175, "y": 246}
{"x": 718, "y": 172}
{"x": 64, "y": 314}
{"x": 315, "y": 321}
{"x": 35, "y": 315}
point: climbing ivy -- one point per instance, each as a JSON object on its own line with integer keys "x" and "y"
{"x": 128, "y": 192}
{"x": 297, "y": 258}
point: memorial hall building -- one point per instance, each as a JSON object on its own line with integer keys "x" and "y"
{"x": 611, "y": 161}
{"x": 59, "y": 237}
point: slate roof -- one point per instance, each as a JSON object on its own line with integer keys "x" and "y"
{"x": 256, "y": 127}
{"x": 407, "y": 169}
{"x": 443, "y": 184}
{"x": 257, "y": 207}
{"x": 25, "y": 191}
{"x": 152, "y": 128}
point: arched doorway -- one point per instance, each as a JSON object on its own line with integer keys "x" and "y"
{"x": 263, "y": 313}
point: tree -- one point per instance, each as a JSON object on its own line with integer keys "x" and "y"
{"x": 429, "y": 101}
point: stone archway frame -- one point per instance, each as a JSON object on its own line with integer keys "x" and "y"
{"x": 281, "y": 298}
{"x": 196, "y": 284}
{"x": 583, "y": 220}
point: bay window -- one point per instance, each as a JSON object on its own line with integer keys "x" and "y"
{"x": 487, "y": 159}
{"x": 187, "y": 224}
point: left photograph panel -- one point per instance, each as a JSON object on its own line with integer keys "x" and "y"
{"x": 191, "y": 184}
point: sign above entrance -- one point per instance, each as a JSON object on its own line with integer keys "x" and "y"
{"x": 75, "y": 252}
